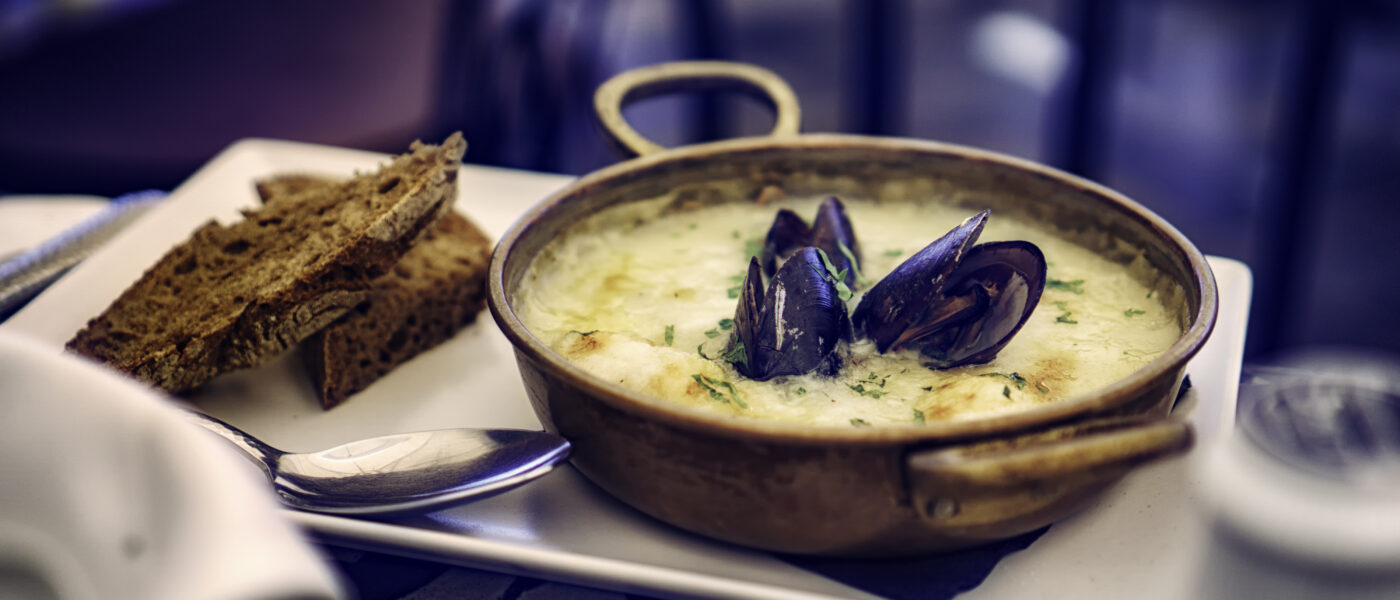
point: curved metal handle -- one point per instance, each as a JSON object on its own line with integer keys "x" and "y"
{"x": 646, "y": 82}
{"x": 262, "y": 455}
{"x": 1029, "y": 477}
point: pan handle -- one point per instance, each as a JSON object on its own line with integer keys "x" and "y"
{"x": 1031, "y": 480}
{"x": 646, "y": 82}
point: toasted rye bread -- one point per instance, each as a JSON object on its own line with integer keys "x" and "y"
{"x": 434, "y": 291}
{"x": 234, "y": 296}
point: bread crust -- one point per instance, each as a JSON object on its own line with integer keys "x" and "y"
{"x": 235, "y": 296}
{"x": 434, "y": 291}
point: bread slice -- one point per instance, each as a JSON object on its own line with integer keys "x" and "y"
{"x": 234, "y": 296}
{"x": 434, "y": 291}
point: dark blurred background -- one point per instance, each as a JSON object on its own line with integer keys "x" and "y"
{"x": 1267, "y": 132}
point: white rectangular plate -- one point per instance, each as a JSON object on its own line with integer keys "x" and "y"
{"x": 1138, "y": 540}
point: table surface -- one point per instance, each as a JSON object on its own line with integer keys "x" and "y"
{"x": 497, "y": 196}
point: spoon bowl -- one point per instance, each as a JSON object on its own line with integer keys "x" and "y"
{"x": 399, "y": 473}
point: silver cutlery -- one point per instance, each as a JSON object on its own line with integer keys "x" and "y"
{"x": 400, "y": 473}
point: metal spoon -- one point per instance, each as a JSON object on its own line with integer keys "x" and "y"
{"x": 399, "y": 473}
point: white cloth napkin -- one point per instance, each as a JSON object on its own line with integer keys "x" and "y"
{"x": 106, "y": 492}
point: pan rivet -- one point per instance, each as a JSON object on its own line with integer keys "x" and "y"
{"x": 942, "y": 508}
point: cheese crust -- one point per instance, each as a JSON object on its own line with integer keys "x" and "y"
{"x": 643, "y": 295}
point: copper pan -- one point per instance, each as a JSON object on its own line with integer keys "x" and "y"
{"x": 852, "y": 491}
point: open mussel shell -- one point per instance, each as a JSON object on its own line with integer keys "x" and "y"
{"x": 956, "y": 302}
{"x": 1005, "y": 279}
{"x": 830, "y": 231}
{"x": 795, "y": 325}
{"x": 901, "y": 299}
{"x": 788, "y": 234}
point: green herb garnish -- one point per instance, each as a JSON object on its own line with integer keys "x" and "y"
{"x": 892, "y": 252}
{"x": 583, "y": 333}
{"x": 918, "y": 416}
{"x": 1042, "y": 388}
{"x": 670, "y": 334}
{"x": 836, "y": 277}
{"x": 859, "y": 388}
{"x": 736, "y": 354}
{"x": 1006, "y": 391}
{"x": 752, "y": 249}
{"x": 713, "y": 386}
{"x": 726, "y": 324}
{"x": 1133, "y": 312}
{"x": 1073, "y": 287}
{"x": 1015, "y": 378}
{"x": 801, "y": 391}
{"x": 851, "y": 258}
{"x": 859, "y": 423}
{"x": 711, "y": 333}
{"x": 1064, "y": 318}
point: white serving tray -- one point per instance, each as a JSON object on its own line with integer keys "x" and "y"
{"x": 1140, "y": 539}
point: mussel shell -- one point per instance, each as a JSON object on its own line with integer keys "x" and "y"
{"x": 902, "y": 297}
{"x": 787, "y": 235}
{"x": 799, "y": 324}
{"x": 831, "y": 231}
{"x": 1010, "y": 276}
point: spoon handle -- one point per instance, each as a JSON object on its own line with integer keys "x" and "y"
{"x": 262, "y": 455}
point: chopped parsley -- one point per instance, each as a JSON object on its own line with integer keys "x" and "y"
{"x": 851, "y": 258}
{"x": 670, "y": 334}
{"x": 1065, "y": 317}
{"x": 735, "y": 233}
{"x": 1132, "y": 312}
{"x": 859, "y": 423}
{"x": 738, "y": 281}
{"x": 1073, "y": 287}
{"x": 736, "y": 354}
{"x": 880, "y": 381}
{"x": 859, "y": 388}
{"x": 752, "y": 249}
{"x": 713, "y": 386}
{"x": 801, "y": 391}
{"x": 1149, "y": 293}
{"x": 836, "y": 277}
{"x": 1006, "y": 391}
{"x": 583, "y": 333}
{"x": 726, "y": 324}
{"x": 1042, "y": 388}
{"x": 918, "y": 416}
{"x": 711, "y": 333}
{"x": 892, "y": 253}
{"x": 1015, "y": 378}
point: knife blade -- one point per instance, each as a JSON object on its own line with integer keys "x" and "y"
{"x": 27, "y": 274}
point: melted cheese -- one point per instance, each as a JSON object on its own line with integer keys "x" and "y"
{"x": 640, "y": 295}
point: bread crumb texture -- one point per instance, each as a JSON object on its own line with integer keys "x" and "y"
{"x": 431, "y": 294}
